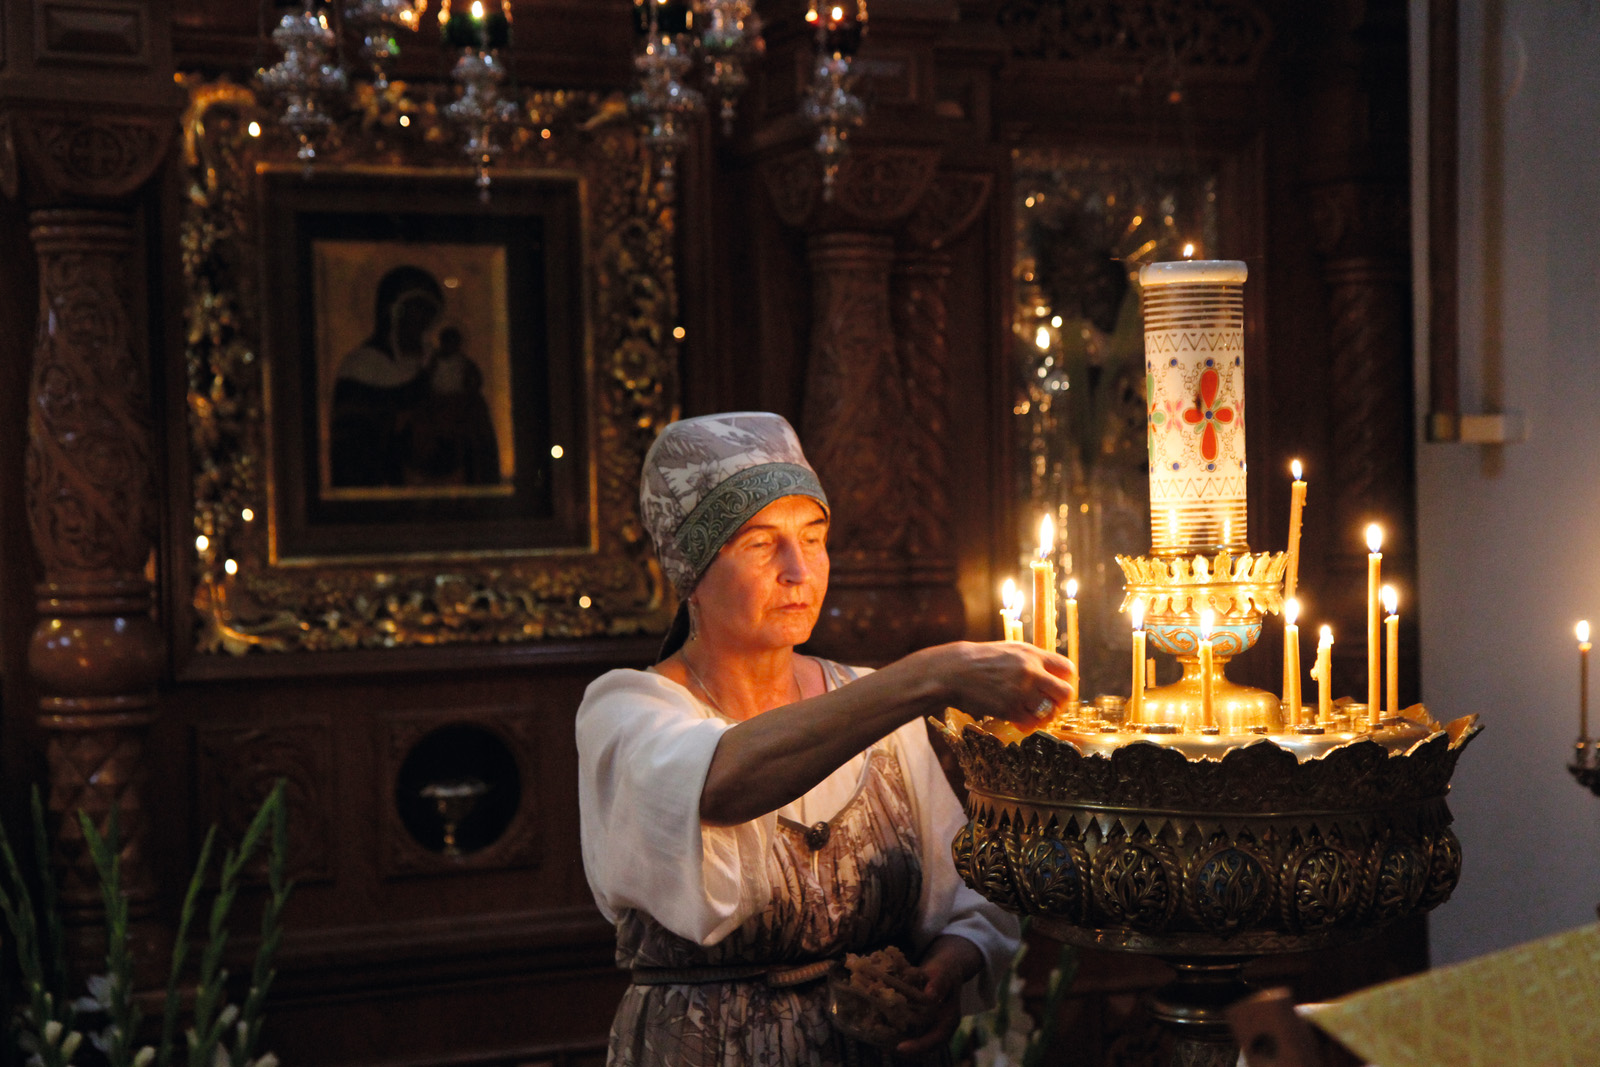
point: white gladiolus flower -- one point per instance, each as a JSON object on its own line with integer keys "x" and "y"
{"x": 52, "y": 1032}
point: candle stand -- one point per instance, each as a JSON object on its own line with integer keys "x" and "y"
{"x": 1212, "y": 825}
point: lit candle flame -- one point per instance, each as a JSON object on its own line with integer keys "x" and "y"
{"x": 1391, "y": 600}
{"x": 1136, "y": 610}
{"x": 1188, "y": 250}
{"x": 1072, "y": 589}
{"x": 838, "y": 14}
{"x": 1582, "y": 630}
{"x": 1010, "y": 598}
{"x": 811, "y": 16}
{"x": 1047, "y": 537}
{"x": 1374, "y": 537}
{"x": 1208, "y": 618}
{"x": 1295, "y": 469}
{"x": 477, "y": 9}
{"x": 1325, "y": 636}
{"x": 1042, "y": 339}
{"x": 1291, "y": 610}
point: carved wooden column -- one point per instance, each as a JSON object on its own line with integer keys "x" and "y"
{"x": 96, "y": 652}
{"x": 88, "y": 110}
{"x": 1361, "y": 227}
{"x": 854, "y": 415}
{"x": 876, "y": 419}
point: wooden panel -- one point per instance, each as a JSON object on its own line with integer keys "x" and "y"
{"x": 102, "y": 31}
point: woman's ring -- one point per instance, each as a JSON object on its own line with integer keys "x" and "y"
{"x": 1043, "y": 707}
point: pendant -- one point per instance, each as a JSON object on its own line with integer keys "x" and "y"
{"x": 817, "y": 836}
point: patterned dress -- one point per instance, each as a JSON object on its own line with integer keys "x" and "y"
{"x": 856, "y": 893}
{"x": 686, "y": 897}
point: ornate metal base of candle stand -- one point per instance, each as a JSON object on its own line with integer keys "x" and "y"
{"x": 1209, "y": 851}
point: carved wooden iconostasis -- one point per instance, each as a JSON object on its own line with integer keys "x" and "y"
{"x": 197, "y": 603}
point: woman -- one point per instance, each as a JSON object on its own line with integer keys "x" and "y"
{"x": 749, "y": 815}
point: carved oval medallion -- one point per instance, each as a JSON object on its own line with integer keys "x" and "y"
{"x": 1135, "y": 884}
{"x": 991, "y": 873}
{"x": 1052, "y": 876}
{"x": 1228, "y": 889}
{"x": 1444, "y": 870}
{"x": 1324, "y": 887}
{"x": 1401, "y": 878}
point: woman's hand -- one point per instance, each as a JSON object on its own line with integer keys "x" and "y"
{"x": 949, "y": 961}
{"x": 1005, "y": 679}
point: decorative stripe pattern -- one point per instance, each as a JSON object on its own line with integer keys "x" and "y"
{"x": 733, "y": 502}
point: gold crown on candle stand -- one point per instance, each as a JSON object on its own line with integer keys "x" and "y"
{"x": 1233, "y": 586}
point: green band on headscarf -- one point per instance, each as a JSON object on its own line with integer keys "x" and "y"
{"x": 734, "y": 501}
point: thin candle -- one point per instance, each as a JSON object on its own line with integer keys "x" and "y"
{"x": 1136, "y": 612}
{"x": 1374, "y": 577}
{"x": 1207, "y": 696}
{"x": 1044, "y": 588}
{"x": 1297, "y": 504}
{"x": 1011, "y": 610}
{"x": 1582, "y": 630}
{"x": 1072, "y": 624}
{"x": 1291, "y": 659}
{"x": 1323, "y": 673}
{"x": 1391, "y": 647}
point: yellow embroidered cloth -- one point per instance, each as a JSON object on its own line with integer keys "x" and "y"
{"x": 1537, "y": 1003}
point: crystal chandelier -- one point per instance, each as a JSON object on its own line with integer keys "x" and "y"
{"x": 670, "y": 33}
{"x": 662, "y": 102}
{"x": 830, "y": 103}
{"x": 304, "y": 77}
{"x": 310, "y": 82}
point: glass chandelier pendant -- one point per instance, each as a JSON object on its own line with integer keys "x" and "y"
{"x": 830, "y": 104}
{"x": 731, "y": 38}
{"x": 663, "y": 103}
{"x": 480, "y": 35}
{"x": 379, "y": 23}
{"x": 304, "y": 76}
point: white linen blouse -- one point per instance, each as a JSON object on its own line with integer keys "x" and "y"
{"x": 644, "y": 746}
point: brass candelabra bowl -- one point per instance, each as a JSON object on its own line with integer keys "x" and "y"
{"x": 1209, "y": 850}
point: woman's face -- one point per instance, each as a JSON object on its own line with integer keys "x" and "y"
{"x": 764, "y": 590}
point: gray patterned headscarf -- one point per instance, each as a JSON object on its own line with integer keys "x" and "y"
{"x": 705, "y": 477}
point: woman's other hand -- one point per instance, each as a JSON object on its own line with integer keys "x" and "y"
{"x": 948, "y": 962}
{"x": 1006, "y": 679}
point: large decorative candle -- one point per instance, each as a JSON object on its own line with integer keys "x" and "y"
{"x": 1391, "y": 641}
{"x": 1374, "y": 577}
{"x": 1297, "y": 507}
{"x": 1208, "y": 709}
{"x": 1011, "y": 610}
{"x": 1323, "y": 673}
{"x": 1072, "y": 624}
{"x": 1044, "y": 589}
{"x": 1194, "y": 389}
{"x": 1291, "y": 659}
{"x": 1136, "y": 611}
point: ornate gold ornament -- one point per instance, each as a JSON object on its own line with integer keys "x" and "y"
{"x": 245, "y": 597}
